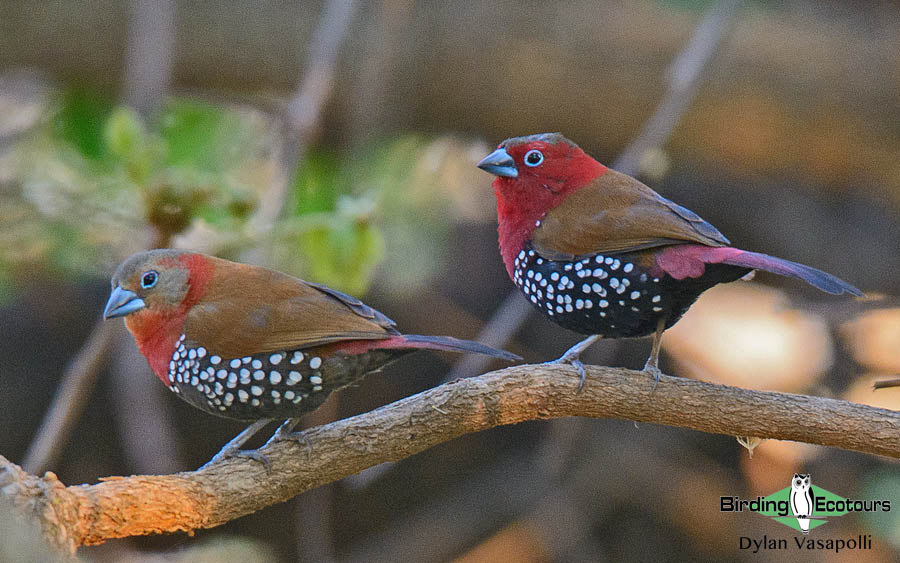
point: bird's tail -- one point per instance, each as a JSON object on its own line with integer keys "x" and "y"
{"x": 450, "y": 344}
{"x": 817, "y": 278}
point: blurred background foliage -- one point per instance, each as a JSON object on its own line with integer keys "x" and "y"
{"x": 790, "y": 147}
{"x": 199, "y": 169}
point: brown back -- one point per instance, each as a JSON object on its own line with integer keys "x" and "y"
{"x": 248, "y": 310}
{"x": 616, "y": 213}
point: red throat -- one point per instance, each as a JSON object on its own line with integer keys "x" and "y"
{"x": 156, "y": 331}
{"x": 156, "y": 334}
{"x": 522, "y": 202}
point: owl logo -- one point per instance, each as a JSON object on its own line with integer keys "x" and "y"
{"x": 801, "y": 500}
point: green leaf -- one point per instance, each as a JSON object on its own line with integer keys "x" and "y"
{"x": 344, "y": 255}
{"x": 124, "y": 133}
{"x": 317, "y": 183}
{"x": 127, "y": 139}
{"x": 200, "y": 135}
{"x": 80, "y": 120}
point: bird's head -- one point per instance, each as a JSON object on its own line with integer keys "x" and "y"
{"x": 534, "y": 174}
{"x": 147, "y": 282}
{"x": 154, "y": 290}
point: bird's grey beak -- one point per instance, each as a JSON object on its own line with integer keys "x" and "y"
{"x": 122, "y": 302}
{"x": 499, "y": 163}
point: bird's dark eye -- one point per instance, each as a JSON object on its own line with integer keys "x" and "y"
{"x": 148, "y": 280}
{"x": 533, "y": 157}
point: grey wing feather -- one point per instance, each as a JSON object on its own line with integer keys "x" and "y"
{"x": 696, "y": 222}
{"x": 358, "y": 307}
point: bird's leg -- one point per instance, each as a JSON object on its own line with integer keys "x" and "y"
{"x": 572, "y": 356}
{"x": 284, "y": 432}
{"x": 233, "y": 446}
{"x": 652, "y": 365}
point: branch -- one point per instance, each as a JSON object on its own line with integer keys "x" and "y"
{"x": 303, "y": 115}
{"x": 149, "y": 55}
{"x": 139, "y": 505}
{"x": 683, "y": 78}
{"x": 71, "y": 396}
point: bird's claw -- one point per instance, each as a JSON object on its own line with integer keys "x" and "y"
{"x": 654, "y": 371}
{"x": 227, "y": 453}
{"x": 299, "y": 437}
{"x": 255, "y": 455}
{"x": 579, "y": 367}
{"x": 575, "y": 363}
{"x": 233, "y": 446}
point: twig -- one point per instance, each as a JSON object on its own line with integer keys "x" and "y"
{"x": 71, "y": 396}
{"x": 137, "y": 505}
{"x": 303, "y": 115}
{"x": 683, "y": 77}
{"x": 141, "y": 410}
{"x": 148, "y": 57}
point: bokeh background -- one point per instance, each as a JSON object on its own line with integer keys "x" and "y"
{"x": 337, "y": 141}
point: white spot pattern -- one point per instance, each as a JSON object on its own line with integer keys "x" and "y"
{"x": 586, "y": 306}
{"x": 234, "y": 385}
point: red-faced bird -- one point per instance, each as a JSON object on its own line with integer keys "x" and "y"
{"x": 253, "y": 344}
{"x": 601, "y": 254}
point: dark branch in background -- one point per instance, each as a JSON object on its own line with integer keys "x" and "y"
{"x": 149, "y": 55}
{"x": 72, "y": 394}
{"x": 147, "y": 75}
{"x": 121, "y": 507}
{"x": 683, "y": 78}
{"x": 303, "y": 115}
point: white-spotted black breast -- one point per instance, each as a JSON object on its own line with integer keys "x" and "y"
{"x": 609, "y": 295}
{"x": 280, "y": 384}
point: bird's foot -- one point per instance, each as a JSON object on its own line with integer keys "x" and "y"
{"x": 285, "y": 434}
{"x": 575, "y": 363}
{"x": 227, "y": 453}
{"x": 255, "y": 455}
{"x": 572, "y": 357}
{"x": 233, "y": 447}
{"x": 301, "y": 439}
{"x": 652, "y": 370}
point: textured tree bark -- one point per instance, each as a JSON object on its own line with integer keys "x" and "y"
{"x": 138, "y": 505}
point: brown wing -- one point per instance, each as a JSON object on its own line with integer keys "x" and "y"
{"x": 248, "y": 310}
{"x": 616, "y": 213}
